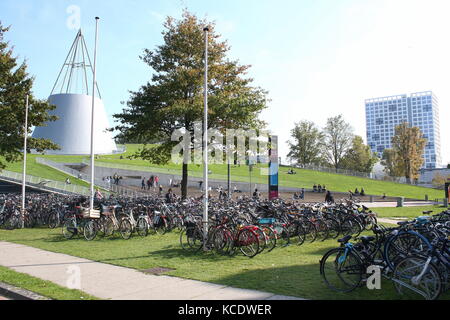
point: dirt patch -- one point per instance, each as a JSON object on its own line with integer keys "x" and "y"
{"x": 157, "y": 271}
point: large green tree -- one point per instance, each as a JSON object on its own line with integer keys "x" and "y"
{"x": 359, "y": 157}
{"x": 408, "y": 144}
{"x": 338, "y": 140}
{"x": 15, "y": 85}
{"x": 173, "y": 98}
{"x": 305, "y": 147}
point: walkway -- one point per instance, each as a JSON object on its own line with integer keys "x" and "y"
{"x": 394, "y": 204}
{"x": 106, "y": 281}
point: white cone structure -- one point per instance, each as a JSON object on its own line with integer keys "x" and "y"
{"x": 72, "y": 132}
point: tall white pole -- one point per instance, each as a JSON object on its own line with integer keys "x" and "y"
{"x": 24, "y": 174}
{"x": 91, "y": 204}
{"x": 205, "y": 145}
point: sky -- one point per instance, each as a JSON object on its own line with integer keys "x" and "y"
{"x": 317, "y": 58}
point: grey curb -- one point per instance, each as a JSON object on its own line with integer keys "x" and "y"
{"x": 15, "y": 293}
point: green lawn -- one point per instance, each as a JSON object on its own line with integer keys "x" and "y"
{"x": 303, "y": 178}
{"x": 292, "y": 271}
{"x": 40, "y": 170}
{"x": 44, "y": 288}
{"x": 407, "y": 212}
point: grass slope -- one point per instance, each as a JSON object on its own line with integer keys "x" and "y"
{"x": 303, "y": 178}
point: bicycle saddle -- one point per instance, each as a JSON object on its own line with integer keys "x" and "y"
{"x": 344, "y": 239}
{"x": 367, "y": 239}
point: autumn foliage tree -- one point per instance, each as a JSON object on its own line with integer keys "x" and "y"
{"x": 15, "y": 85}
{"x": 408, "y": 145}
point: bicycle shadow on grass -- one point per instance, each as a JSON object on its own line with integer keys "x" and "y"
{"x": 305, "y": 281}
{"x": 172, "y": 252}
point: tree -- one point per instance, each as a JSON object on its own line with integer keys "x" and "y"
{"x": 15, "y": 85}
{"x": 390, "y": 163}
{"x": 173, "y": 98}
{"x": 359, "y": 157}
{"x": 338, "y": 139}
{"x": 307, "y": 141}
{"x": 408, "y": 144}
{"x": 440, "y": 180}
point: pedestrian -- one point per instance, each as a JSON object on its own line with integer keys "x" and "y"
{"x": 68, "y": 181}
{"x": 200, "y": 183}
{"x": 143, "y": 183}
{"x": 362, "y": 193}
{"x": 329, "y": 197}
{"x": 156, "y": 181}
{"x": 149, "y": 183}
{"x": 169, "y": 196}
{"x": 256, "y": 194}
{"x": 302, "y": 194}
{"x": 160, "y": 190}
{"x": 319, "y": 188}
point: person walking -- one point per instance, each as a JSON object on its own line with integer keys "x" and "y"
{"x": 156, "y": 181}
{"x": 143, "y": 183}
{"x": 302, "y": 194}
{"x": 329, "y": 197}
{"x": 149, "y": 183}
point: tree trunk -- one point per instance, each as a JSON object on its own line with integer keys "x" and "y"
{"x": 184, "y": 181}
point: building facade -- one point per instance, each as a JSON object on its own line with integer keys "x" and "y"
{"x": 418, "y": 109}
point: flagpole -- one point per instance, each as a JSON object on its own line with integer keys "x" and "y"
{"x": 24, "y": 173}
{"x": 91, "y": 203}
{"x": 205, "y": 145}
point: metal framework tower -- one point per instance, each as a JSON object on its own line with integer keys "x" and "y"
{"x": 77, "y": 70}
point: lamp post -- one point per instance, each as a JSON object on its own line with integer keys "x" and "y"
{"x": 205, "y": 145}
{"x": 24, "y": 173}
{"x": 91, "y": 202}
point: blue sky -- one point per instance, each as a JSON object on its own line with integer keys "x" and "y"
{"x": 317, "y": 58}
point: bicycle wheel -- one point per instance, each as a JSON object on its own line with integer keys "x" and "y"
{"x": 271, "y": 238}
{"x": 108, "y": 227}
{"x": 406, "y": 283}
{"x": 333, "y": 228}
{"x": 248, "y": 242}
{"x": 261, "y": 238}
{"x": 342, "y": 270}
{"x": 310, "y": 231}
{"x": 322, "y": 230}
{"x": 90, "y": 230}
{"x": 52, "y": 221}
{"x": 142, "y": 227}
{"x": 405, "y": 244}
{"x": 69, "y": 229}
{"x": 191, "y": 239}
{"x": 125, "y": 228}
{"x": 347, "y": 227}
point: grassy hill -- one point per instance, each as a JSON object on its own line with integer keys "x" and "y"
{"x": 303, "y": 178}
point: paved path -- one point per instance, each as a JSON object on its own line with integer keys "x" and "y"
{"x": 106, "y": 281}
{"x": 394, "y": 204}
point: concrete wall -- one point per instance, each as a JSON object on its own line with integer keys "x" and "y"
{"x": 134, "y": 178}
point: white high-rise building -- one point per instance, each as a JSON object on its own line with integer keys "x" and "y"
{"x": 418, "y": 109}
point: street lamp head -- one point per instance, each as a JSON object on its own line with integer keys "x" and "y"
{"x": 206, "y": 29}
{"x": 97, "y": 18}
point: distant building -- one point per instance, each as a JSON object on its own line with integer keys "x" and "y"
{"x": 419, "y": 110}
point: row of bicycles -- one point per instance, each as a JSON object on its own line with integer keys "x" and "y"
{"x": 414, "y": 256}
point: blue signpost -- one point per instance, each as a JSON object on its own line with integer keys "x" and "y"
{"x": 273, "y": 167}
